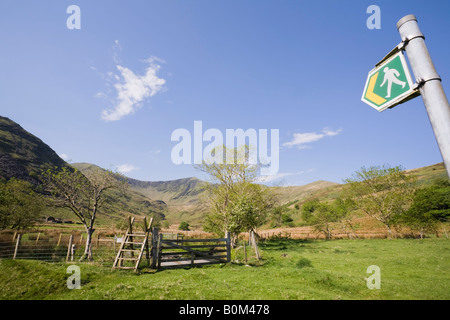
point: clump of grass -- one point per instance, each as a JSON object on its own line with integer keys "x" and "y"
{"x": 303, "y": 263}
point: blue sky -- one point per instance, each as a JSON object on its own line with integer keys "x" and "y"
{"x": 112, "y": 92}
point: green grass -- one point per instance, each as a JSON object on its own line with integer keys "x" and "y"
{"x": 290, "y": 269}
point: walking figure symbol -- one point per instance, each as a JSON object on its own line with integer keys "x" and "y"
{"x": 391, "y": 76}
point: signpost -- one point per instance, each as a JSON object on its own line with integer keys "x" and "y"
{"x": 390, "y": 83}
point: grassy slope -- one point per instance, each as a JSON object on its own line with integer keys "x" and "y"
{"x": 324, "y": 190}
{"x": 23, "y": 155}
{"x": 410, "y": 269}
{"x": 182, "y": 197}
{"x": 118, "y": 207}
{"x": 183, "y": 204}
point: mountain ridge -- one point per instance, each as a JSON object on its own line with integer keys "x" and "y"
{"x": 24, "y": 156}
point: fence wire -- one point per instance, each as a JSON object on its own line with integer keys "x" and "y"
{"x": 103, "y": 251}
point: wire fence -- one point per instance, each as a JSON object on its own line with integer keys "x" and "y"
{"x": 61, "y": 248}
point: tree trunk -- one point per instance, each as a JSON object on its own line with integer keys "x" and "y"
{"x": 233, "y": 240}
{"x": 389, "y": 230}
{"x": 88, "y": 249}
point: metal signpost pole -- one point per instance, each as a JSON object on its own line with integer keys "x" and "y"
{"x": 430, "y": 86}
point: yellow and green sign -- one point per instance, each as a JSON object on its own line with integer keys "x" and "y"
{"x": 388, "y": 84}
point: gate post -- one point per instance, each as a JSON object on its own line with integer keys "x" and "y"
{"x": 154, "y": 247}
{"x": 227, "y": 236}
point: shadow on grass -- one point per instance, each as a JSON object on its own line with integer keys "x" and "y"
{"x": 283, "y": 244}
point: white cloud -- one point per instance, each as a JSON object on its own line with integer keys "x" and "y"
{"x": 125, "y": 168}
{"x": 116, "y": 48}
{"x": 279, "y": 176}
{"x": 274, "y": 177}
{"x": 132, "y": 89}
{"x": 301, "y": 139}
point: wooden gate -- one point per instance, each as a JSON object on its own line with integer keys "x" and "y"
{"x": 179, "y": 253}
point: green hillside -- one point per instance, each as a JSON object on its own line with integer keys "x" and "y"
{"x": 24, "y": 156}
{"x": 175, "y": 200}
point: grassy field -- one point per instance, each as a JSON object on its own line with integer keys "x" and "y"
{"x": 290, "y": 270}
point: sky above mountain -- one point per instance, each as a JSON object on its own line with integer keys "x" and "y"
{"x": 114, "y": 91}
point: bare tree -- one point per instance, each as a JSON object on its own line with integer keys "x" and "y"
{"x": 84, "y": 194}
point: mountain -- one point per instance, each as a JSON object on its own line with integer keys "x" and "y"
{"x": 178, "y": 200}
{"x": 118, "y": 206}
{"x": 314, "y": 189}
{"x": 23, "y": 155}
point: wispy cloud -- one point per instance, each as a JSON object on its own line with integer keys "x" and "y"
{"x": 125, "y": 168}
{"x": 116, "y": 48}
{"x": 130, "y": 89}
{"x": 300, "y": 140}
{"x": 279, "y": 176}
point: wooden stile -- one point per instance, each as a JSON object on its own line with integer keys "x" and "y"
{"x": 128, "y": 245}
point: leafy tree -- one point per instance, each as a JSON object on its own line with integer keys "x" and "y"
{"x": 276, "y": 216}
{"x": 237, "y": 203}
{"x": 344, "y": 207}
{"x": 84, "y": 194}
{"x": 324, "y": 216}
{"x": 184, "y": 226}
{"x": 20, "y": 205}
{"x": 280, "y": 217}
{"x": 382, "y": 192}
{"x": 287, "y": 220}
{"x": 431, "y": 206}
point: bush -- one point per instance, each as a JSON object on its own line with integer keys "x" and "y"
{"x": 184, "y": 226}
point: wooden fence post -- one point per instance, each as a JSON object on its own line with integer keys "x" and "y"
{"x": 59, "y": 240}
{"x": 254, "y": 244}
{"x": 227, "y": 235}
{"x": 159, "y": 254}
{"x": 19, "y": 236}
{"x": 69, "y": 248}
{"x": 130, "y": 230}
{"x": 154, "y": 247}
{"x": 192, "y": 259}
{"x": 245, "y": 253}
{"x": 38, "y": 236}
{"x": 72, "y": 252}
{"x": 146, "y": 230}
